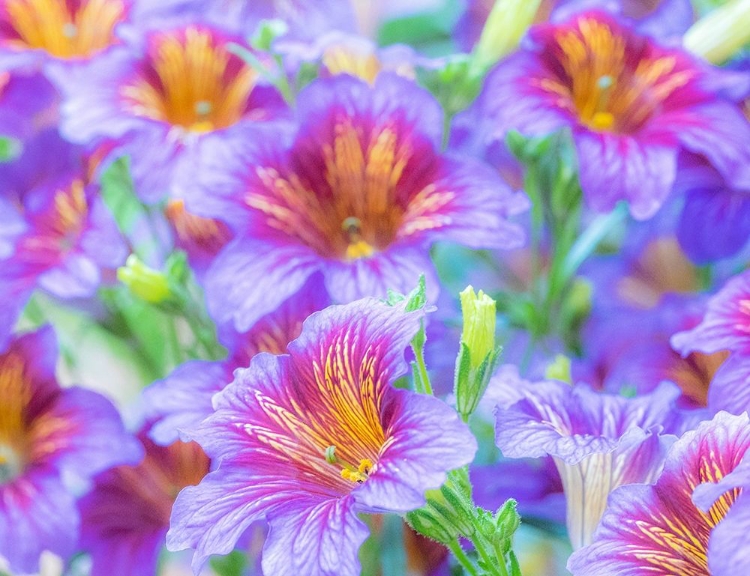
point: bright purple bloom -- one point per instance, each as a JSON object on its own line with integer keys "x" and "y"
{"x": 125, "y": 517}
{"x": 632, "y": 106}
{"x": 183, "y": 399}
{"x": 360, "y": 195}
{"x": 598, "y": 441}
{"x": 725, "y": 327}
{"x": 48, "y": 435}
{"x": 64, "y": 236}
{"x": 657, "y": 529}
{"x": 165, "y": 103}
{"x": 311, "y": 439}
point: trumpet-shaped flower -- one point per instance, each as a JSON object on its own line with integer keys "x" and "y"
{"x": 48, "y": 435}
{"x": 163, "y": 103}
{"x": 311, "y": 439}
{"x": 658, "y": 529}
{"x": 360, "y": 195}
{"x": 632, "y": 106}
{"x": 125, "y": 517}
{"x": 598, "y": 441}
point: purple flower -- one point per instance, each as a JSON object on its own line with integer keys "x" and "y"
{"x": 660, "y": 18}
{"x": 63, "y": 235}
{"x": 657, "y": 529}
{"x": 48, "y": 435}
{"x": 632, "y": 106}
{"x": 725, "y": 327}
{"x": 183, "y": 399}
{"x": 62, "y": 30}
{"x": 165, "y": 103}
{"x": 125, "y": 517}
{"x": 26, "y": 103}
{"x": 311, "y": 439}
{"x": 598, "y": 441}
{"x": 715, "y": 220}
{"x": 360, "y": 195}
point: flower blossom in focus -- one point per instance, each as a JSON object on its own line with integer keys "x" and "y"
{"x": 659, "y": 529}
{"x": 360, "y": 193}
{"x": 598, "y": 441}
{"x": 312, "y": 438}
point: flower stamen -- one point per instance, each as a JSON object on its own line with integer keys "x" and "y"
{"x": 361, "y": 474}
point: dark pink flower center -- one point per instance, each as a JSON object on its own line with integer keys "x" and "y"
{"x": 612, "y": 80}
{"x": 355, "y": 194}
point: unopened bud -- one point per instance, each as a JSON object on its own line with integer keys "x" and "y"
{"x": 505, "y": 26}
{"x": 145, "y": 282}
{"x": 720, "y": 34}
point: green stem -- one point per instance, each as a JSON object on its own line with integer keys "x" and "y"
{"x": 422, "y": 384}
{"x": 496, "y": 566}
{"x": 455, "y": 547}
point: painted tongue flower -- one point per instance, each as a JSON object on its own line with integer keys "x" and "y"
{"x": 65, "y": 235}
{"x": 725, "y": 327}
{"x": 311, "y": 439}
{"x": 598, "y": 441}
{"x": 162, "y": 104}
{"x": 47, "y": 435}
{"x": 657, "y": 529}
{"x": 632, "y": 106}
{"x": 360, "y": 194}
{"x": 66, "y": 30}
{"x": 125, "y": 517}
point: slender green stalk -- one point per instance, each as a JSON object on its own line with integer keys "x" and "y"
{"x": 459, "y": 554}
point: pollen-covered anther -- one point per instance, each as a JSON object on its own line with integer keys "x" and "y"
{"x": 361, "y": 474}
{"x": 357, "y": 247}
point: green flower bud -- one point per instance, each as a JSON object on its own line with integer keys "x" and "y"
{"x": 146, "y": 283}
{"x": 478, "y": 354}
{"x": 721, "y": 33}
{"x": 480, "y": 317}
{"x": 559, "y": 369}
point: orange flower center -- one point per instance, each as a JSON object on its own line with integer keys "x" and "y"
{"x": 65, "y": 29}
{"x": 351, "y": 201}
{"x": 191, "y": 80}
{"x": 611, "y": 81}
{"x": 208, "y": 233}
{"x": 16, "y": 396}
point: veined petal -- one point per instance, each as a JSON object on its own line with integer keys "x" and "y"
{"x": 250, "y": 278}
{"x": 322, "y": 540}
{"x": 726, "y": 325}
{"x": 37, "y": 513}
{"x": 657, "y": 528}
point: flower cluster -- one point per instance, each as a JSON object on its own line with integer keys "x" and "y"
{"x": 238, "y": 249}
